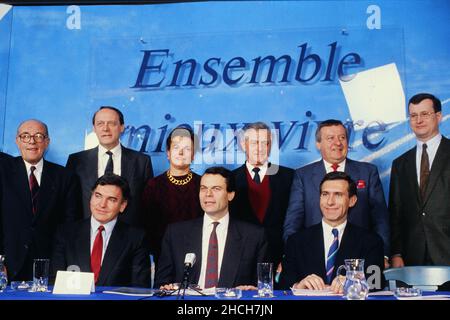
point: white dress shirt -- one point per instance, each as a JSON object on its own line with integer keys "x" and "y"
{"x": 103, "y": 159}
{"x": 262, "y": 170}
{"x": 37, "y": 172}
{"x": 432, "y": 146}
{"x": 328, "y": 236}
{"x": 329, "y": 169}
{"x": 221, "y": 232}
{"x": 106, "y": 233}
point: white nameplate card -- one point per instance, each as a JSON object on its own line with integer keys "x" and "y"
{"x": 70, "y": 282}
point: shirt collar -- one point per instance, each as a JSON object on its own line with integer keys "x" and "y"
{"x": 108, "y": 226}
{"x": 39, "y": 166}
{"x": 329, "y": 168}
{"x": 327, "y": 228}
{"x": 263, "y": 168}
{"x": 117, "y": 150}
{"x": 432, "y": 143}
{"x": 207, "y": 220}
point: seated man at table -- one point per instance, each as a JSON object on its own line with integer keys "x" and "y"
{"x": 114, "y": 251}
{"x": 314, "y": 254}
{"x": 227, "y": 249}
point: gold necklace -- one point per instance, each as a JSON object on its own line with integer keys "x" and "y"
{"x": 179, "y": 182}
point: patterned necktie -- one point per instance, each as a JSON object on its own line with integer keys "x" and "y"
{"x": 34, "y": 188}
{"x": 96, "y": 254}
{"x": 109, "y": 165}
{"x": 331, "y": 258}
{"x": 424, "y": 171}
{"x": 212, "y": 264}
{"x": 256, "y": 178}
{"x": 334, "y": 166}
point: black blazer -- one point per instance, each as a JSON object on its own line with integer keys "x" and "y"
{"x": 245, "y": 246}
{"x": 280, "y": 185}
{"x": 305, "y": 253}
{"x": 418, "y": 223}
{"x": 24, "y": 236}
{"x": 126, "y": 261}
{"x": 136, "y": 167}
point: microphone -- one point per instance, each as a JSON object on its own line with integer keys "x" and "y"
{"x": 189, "y": 261}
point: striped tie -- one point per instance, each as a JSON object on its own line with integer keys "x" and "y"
{"x": 331, "y": 258}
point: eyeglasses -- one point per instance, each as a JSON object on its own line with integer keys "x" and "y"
{"x": 26, "y": 137}
{"x": 424, "y": 115}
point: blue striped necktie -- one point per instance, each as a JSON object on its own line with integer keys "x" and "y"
{"x": 331, "y": 258}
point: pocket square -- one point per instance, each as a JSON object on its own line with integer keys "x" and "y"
{"x": 361, "y": 184}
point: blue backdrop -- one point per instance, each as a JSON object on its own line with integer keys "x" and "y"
{"x": 218, "y": 65}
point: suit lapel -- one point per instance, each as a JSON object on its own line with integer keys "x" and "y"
{"x": 410, "y": 167}
{"x": 90, "y": 167}
{"x": 193, "y": 241}
{"x": 318, "y": 172}
{"x": 318, "y": 256}
{"x": 83, "y": 246}
{"x": 113, "y": 251}
{"x": 21, "y": 185}
{"x": 439, "y": 163}
{"x": 47, "y": 189}
{"x": 126, "y": 170}
{"x": 231, "y": 255}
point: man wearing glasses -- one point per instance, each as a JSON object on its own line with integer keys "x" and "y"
{"x": 419, "y": 191}
{"x": 36, "y": 196}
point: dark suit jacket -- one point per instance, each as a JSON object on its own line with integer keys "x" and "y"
{"x": 126, "y": 261}
{"x": 245, "y": 246}
{"x": 24, "y": 236}
{"x": 136, "y": 168}
{"x": 418, "y": 223}
{"x": 280, "y": 185}
{"x": 4, "y": 156}
{"x": 305, "y": 253}
{"x": 370, "y": 211}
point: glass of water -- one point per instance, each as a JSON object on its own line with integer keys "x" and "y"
{"x": 41, "y": 268}
{"x": 265, "y": 280}
{"x": 3, "y": 275}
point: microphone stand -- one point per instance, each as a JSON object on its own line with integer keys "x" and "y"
{"x": 185, "y": 285}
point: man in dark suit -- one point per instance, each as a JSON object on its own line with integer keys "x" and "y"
{"x": 262, "y": 188}
{"x": 36, "y": 196}
{"x": 419, "y": 191}
{"x": 314, "y": 254}
{"x": 111, "y": 156}
{"x": 115, "y": 252}
{"x": 227, "y": 249}
{"x": 370, "y": 212}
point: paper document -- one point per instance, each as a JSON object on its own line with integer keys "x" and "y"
{"x": 307, "y": 292}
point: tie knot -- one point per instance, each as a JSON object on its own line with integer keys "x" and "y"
{"x": 256, "y": 170}
{"x": 335, "y": 232}
{"x": 334, "y": 166}
{"x": 424, "y": 146}
{"x": 32, "y": 168}
{"x": 109, "y": 153}
{"x": 100, "y": 228}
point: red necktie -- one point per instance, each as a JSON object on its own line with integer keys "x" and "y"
{"x": 34, "y": 188}
{"x": 96, "y": 254}
{"x": 334, "y": 166}
{"x": 212, "y": 264}
{"x": 424, "y": 171}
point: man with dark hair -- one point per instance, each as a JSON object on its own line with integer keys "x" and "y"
{"x": 114, "y": 251}
{"x": 111, "y": 157}
{"x": 262, "y": 188}
{"x": 314, "y": 254}
{"x": 227, "y": 249}
{"x": 419, "y": 191}
{"x": 35, "y": 197}
{"x": 370, "y": 212}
